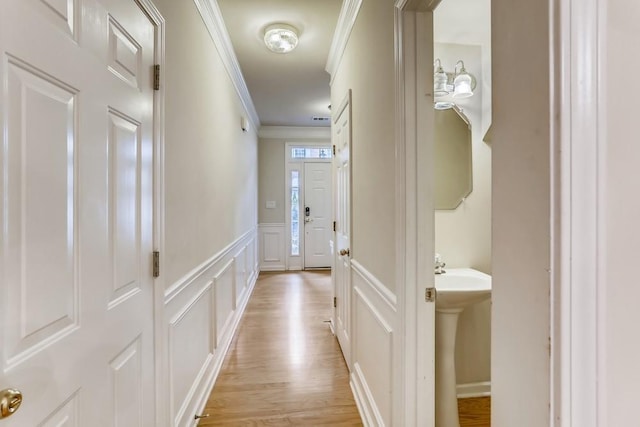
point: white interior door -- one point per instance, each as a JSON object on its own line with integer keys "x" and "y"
{"x": 76, "y": 170}
{"x": 341, "y": 135}
{"x": 317, "y": 215}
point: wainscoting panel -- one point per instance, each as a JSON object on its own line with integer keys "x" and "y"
{"x": 202, "y": 311}
{"x": 189, "y": 348}
{"x": 272, "y": 247}
{"x": 374, "y": 323}
{"x": 225, "y": 299}
{"x": 240, "y": 261}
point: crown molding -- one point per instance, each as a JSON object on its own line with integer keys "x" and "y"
{"x": 346, "y": 21}
{"x": 212, "y": 18}
{"x": 294, "y": 132}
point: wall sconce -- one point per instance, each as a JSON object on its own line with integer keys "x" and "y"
{"x": 281, "y": 38}
{"x": 448, "y": 86}
{"x": 244, "y": 124}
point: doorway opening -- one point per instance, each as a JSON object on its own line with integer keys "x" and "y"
{"x": 308, "y": 195}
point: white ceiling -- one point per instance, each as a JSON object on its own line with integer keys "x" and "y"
{"x": 286, "y": 89}
{"x": 290, "y": 89}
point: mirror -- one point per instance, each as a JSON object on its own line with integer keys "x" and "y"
{"x": 453, "y": 180}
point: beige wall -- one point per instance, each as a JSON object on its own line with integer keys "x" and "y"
{"x": 210, "y": 164}
{"x": 271, "y": 176}
{"x": 367, "y": 68}
{"x": 271, "y": 171}
{"x": 463, "y": 235}
{"x": 620, "y": 215}
{"x": 521, "y": 214}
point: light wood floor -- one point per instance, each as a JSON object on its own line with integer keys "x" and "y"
{"x": 285, "y": 368}
{"x": 475, "y": 412}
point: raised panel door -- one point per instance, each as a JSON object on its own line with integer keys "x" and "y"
{"x": 341, "y": 136}
{"x": 76, "y": 175}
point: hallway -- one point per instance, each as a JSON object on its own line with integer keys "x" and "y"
{"x": 284, "y": 367}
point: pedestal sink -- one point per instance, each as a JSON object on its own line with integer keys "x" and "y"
{"x": 456, "y": 289}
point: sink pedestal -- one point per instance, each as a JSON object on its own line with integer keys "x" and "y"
{"x": 456, "y": 289}
{"x": 446, "y": 394}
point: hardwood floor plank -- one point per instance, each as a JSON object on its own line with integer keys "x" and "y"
{"x": 284, "y": 366}
{"x": 475, "y": 412}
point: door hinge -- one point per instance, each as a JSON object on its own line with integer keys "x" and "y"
{"x": 430, "y": 295}
{"x": 334, "y": 150}
{"x": 156, "y": 264}
{"x": 334, "y": 226}
{"x": 156, "y": 77}
{"x": 335, "y": 302}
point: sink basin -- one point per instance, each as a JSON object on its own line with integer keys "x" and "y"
{"x": 461, "y": 287}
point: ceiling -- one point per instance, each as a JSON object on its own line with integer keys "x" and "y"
{"x": 291, "y": 89}
{"x": 287, "y": 89}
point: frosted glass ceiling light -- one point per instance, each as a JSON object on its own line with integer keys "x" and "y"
{"x": 280, "y": 38}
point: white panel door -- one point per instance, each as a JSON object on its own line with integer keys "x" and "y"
{"x": 317, "y": 224}
{"x": 341, "y": 131}
{"x": 76, "y": 175}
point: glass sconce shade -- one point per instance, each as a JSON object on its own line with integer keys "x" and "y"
{"x": 443, "y": 105}
{"x": 449, "y": 87}
{"x": 463, "y": 83}
{"x": 280, "y": 38}
{"x": 462, "y": 86}
{"x": 440, "y": 80}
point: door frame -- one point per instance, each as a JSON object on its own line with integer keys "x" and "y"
{"x": 413, "y": 54}
{"x": 160, "y": 344}
{"x": 296, "y": 262}
{"x": 577, "y": 193}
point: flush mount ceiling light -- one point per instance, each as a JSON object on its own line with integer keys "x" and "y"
{"x": 280, "y": 38}
{"x": 448, "y": 87}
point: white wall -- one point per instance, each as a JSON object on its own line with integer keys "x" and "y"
{"x": 463, "y": 235}
{"x": 521, "y": 225}
{"x": 210, "y": 212}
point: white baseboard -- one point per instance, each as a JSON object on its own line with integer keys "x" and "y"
{"x": 213, "y": 297}
{"x": 364, "y": 399}
{"x": 223, "y": 348}
{"x": 480, "y": 389}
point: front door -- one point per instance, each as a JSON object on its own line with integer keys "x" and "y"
{"x": 317, "y": 215}
{"x": 76, "y": 174}
{"x": 341, "y": 136}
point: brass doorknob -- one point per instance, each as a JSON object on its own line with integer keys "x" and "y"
{"x": 344, "y": 252}
{"x": 10, "y": 401}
